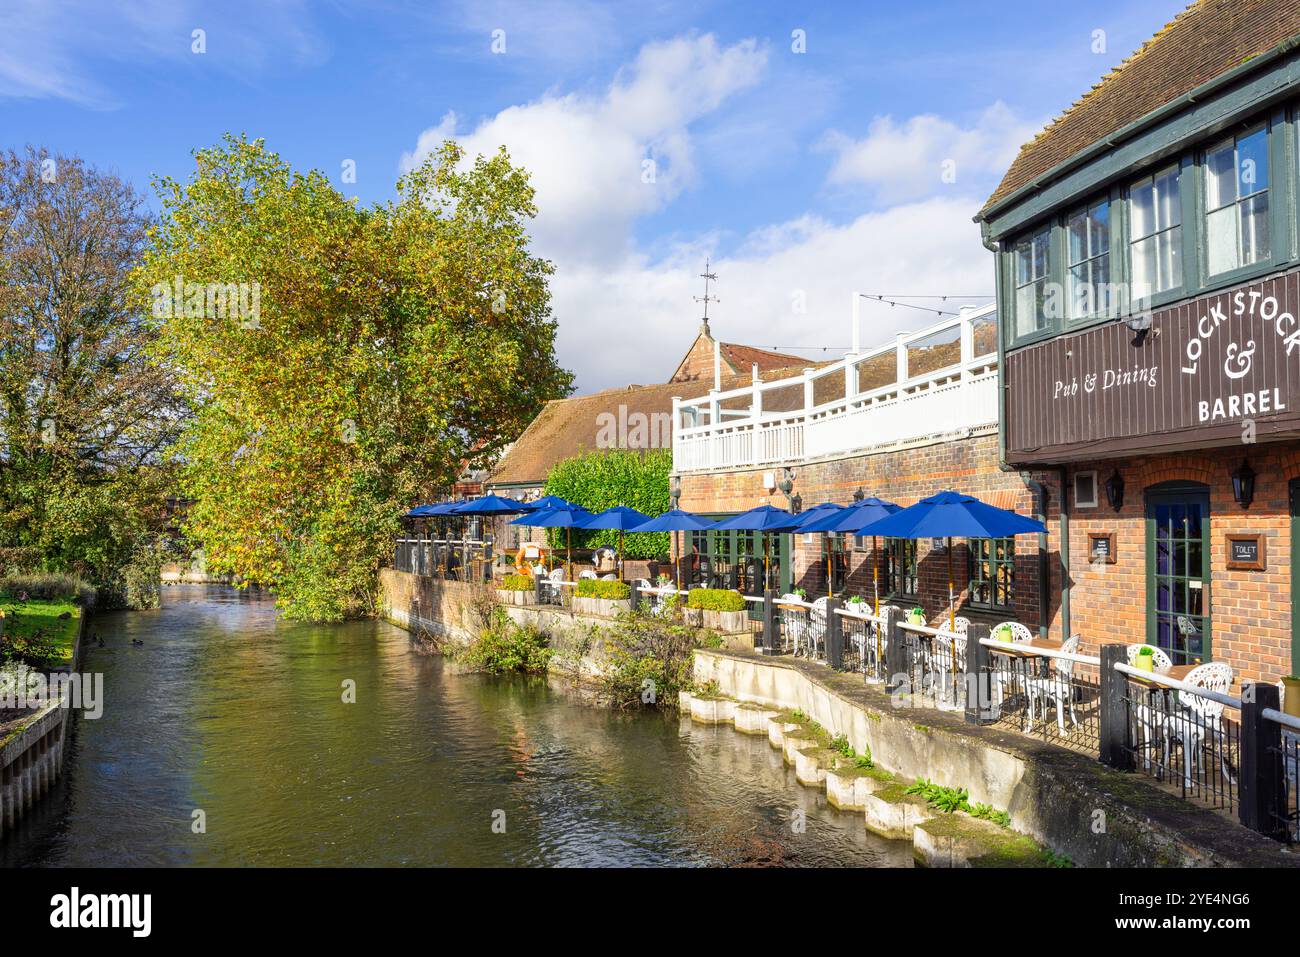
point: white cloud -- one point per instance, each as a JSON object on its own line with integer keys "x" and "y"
{"x": 587, "y": 154}
{"x": 908, "y": 160}
{"x": 627, "y": 315}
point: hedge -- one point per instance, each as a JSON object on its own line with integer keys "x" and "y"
{"x": 603, "y": 479}
{"x": 518, "y": 583}
{"x": 715, "y": 599}
{"x": 599, "y": 588}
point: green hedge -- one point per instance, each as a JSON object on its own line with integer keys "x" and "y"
{"x": 601, "y": 480}
{"x": 596, "y": 588}
{"x": 715, "y": 599}
{"x": 518, "y": 583}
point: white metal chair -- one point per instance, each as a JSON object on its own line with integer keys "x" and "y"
{"x": 586, "y": 573}
{"x": 817, "y": 627}
{"x": 1055, "y": 687}
{"x": 1009, "y": 677}
{"x": 795, "y": 621}
{"x": 1197, "y": 717}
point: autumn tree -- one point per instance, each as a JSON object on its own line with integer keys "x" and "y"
{"x": 85, "y": 416}
{"x": 344, "y": 362}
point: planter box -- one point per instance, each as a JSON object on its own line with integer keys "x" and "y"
{"x": 727, "y": 622}
{"x": 601, "y": 607}
{"x": 510, "y": 597}
{"x": 693, "y": 617}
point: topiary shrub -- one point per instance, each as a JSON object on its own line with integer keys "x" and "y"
{"x": 596, "y": 588}
{"x": 517, "y": 583}
{"x": 715, "y": 599}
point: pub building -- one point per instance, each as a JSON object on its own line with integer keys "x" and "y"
{"x": 1147, "y": 247}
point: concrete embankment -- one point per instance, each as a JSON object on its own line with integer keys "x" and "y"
{"x": 1063, "y": 800}
{"x": 31, "y": 758}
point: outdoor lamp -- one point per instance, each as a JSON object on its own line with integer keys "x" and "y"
{"x": 796, "y": 504}
{"x": 1243, "y": 484}
{"x": 859, "y": 495}
{"x": 1115, "y": 491}
{"x": 786, "y": 485}
{"x": 675, "y": 489}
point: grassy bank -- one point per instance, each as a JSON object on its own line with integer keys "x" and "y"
{"x": 42, "y": 619}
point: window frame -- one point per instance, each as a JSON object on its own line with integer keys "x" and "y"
{"x": 982, "y": 553}
{"x": 891, "y": 579}
{"x": 1254, "y": 267}
{"x": 1185, "y": 263}
{"x": 1067, "y": 265}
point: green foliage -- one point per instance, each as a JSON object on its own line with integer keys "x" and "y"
{"x": 841, "y": 744}
{"x": 864, "y": 761}
{"x": 48, "y": 586}
{"x": 518, "y": 583}
{"x": 506, "y": 647}
{"x": 596, "y": 588}
{"x": 988, "y": 813}
{"x": 949, "y": 800}
{"x": 392, "y": 346}
{"x": 1052, "y": 859}
{"x": 39, "y": 632}
{"x": 85, "y": 417}
{"x": 648, "y": 661}
{"x": 600, "y": 480}
{"x": 715, "y": 599}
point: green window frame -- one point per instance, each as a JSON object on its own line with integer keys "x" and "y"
{"x": 992, "y": 573}
{"x": 1235, "y": 224}
{"x": 1032, "y": 262}
{"x": 1087, "y": 261}
{"x": 1178, "y": 570}
{"x": 1155, "y": 235}
{"x": 900, "y": 567}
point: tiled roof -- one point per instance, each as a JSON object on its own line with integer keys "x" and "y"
{"x": 743, "y": 358}
{"x": 1206, "y": 40}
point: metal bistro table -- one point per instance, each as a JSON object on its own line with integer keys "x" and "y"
{"x": 1155, "y": 691}
{"x": 1022, "y": 657}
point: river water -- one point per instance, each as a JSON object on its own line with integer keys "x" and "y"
{"x": 229, "y": 710}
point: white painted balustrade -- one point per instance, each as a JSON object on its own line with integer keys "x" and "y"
{"x": 951, "y": 400}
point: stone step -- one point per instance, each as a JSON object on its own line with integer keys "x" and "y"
{"x": 811, "y": 765}
{"x": 796, "y": 741}
{"x": 754, "y": 718}
{"x": 847, "y": 786}
{"x": 711, "y": 709}
{"x": 893, "y": 813}
{"x": 959, "y": 840}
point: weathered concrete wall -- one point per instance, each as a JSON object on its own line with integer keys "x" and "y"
{"x": 1067, "y": 801}
{"x": 32, "y": 759}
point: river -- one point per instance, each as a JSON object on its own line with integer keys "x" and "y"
{"x": 228, "y": 710}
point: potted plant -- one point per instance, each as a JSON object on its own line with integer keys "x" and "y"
{"x": 1144, "y": 660}
{"x": 1291, "y": 695}
{"x": 595, "y": 596}
{"x": 916, "y": 616}
{"x": 800, "y": 593}
{"x": 517, "y": 590}
{"x": 1004, "y": 633}
{"x": 722, "y": 609}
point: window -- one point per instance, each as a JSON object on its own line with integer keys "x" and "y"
{"x": 1236, "y": 202}
{"x": 993, "y": 572}
{"x": 1089, "y": 261}
{"x": 1032, "y": 268}
{"x": 1156, "y": 234}
{"x": 1085, "y": 489}
{"x": 900, "y": 566}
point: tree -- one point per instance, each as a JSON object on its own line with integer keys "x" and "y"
{"x": 85, "y": 416}
{"x": 344, "y": 362}
{"x": 603, "y": 479}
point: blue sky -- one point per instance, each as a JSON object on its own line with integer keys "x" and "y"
{"x": 804, "y": 176}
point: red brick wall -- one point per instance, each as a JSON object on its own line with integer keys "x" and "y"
{"x": 968, "y": 465}
{"x": 1250, "y": 610}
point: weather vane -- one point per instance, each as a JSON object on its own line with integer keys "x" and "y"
{"x": 708, "y": 277}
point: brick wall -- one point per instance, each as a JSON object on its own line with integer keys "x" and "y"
{"x": 906, "y": 476}
{"x": 697, "y": 365}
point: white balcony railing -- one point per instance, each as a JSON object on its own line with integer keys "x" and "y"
{"x": 956, "y": 393}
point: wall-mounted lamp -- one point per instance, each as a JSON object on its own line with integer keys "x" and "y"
{"x": 1115, "y": 490}
{"x": 786, "y": 485}
{"x": 675, "y": 489}
{"x": 1140, "y": 325}
{"x": 796, "y": 504}
{"x": 859, "y": 495}
{"x": 1243, "y": 484}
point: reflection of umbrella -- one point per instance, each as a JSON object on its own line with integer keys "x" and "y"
{"x": 763, "y": 519}
{"x": 566, "y": 518}
{"x": 951, "y": 515}
{"x": 675, "y": 521}
{"x": 622, "y": 518}
{"x": 851, "y": 520}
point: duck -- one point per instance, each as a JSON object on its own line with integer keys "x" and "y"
{"x": 137, "y": 642}
{"x": 99, "y": 639}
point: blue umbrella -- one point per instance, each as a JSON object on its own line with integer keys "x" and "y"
{"x": 818, "y": 513}
{"x": 764, "y": 519}
{"x": 675, "y": 521}
{"x": 622, "y": 518}
{"x": 952, "y": 515}
{"x": 488, "y": 505}
{"x": 575, "y": 516}
{"x": 851, "y": 519}
{"x": 421, "y": 511}
{"x": 548, "y": 501}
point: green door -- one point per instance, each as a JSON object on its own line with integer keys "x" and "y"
{"x": 1178, "y": 571}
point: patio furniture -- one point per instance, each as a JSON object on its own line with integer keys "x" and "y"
{"x": 1149, "y": 715}
{"x": 1054, "y": 686}
{"x": 1012, "y": 676}
{"x": 1198, "y": 718}
{"x": 817, "y": 626}
{"x": 795, "y": 619}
